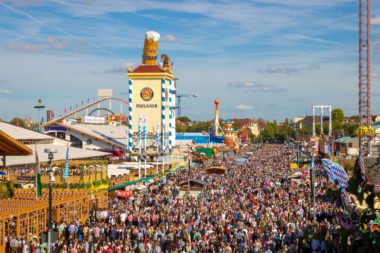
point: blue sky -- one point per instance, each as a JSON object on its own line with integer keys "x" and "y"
{"x": 260, "y": 58}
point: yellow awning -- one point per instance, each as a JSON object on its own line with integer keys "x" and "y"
{"x": 12, "y": 147}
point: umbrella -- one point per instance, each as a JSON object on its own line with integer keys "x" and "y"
{"x": 2, "y": 173}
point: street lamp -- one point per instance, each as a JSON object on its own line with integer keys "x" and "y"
{"x": 50, "y": 152}
{"x": 312, "y": 184}
{"x": 189, "y": 160}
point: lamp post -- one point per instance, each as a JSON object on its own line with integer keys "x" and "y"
{"x": 189, "y": 162}
{"x": 50, "y": 152}
{"x": 312, "y": 186}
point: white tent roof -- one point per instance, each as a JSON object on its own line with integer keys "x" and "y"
{"x": 20, "y": 133}
{"x": 117, "y": 134}
{"x": 74, "y": 153}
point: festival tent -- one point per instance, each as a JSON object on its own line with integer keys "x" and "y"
{"x": 11, "y": 147}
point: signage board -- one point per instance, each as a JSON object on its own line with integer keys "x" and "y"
{"x": 104, "y": 92}
{"x": 94, "y": 120}
{"x": 25, "y": 178}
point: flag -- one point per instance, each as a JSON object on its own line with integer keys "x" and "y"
{"x": 361, "y": 166}
{"x": 326, "y": 166}
{"x": 66, "y": 172}
{"x": 38, "y": 174}
{"x": 336, "y": 173}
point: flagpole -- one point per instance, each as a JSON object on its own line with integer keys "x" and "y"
{"x": 36, "y": 157}
{"x": 163, "y": 147}
{"x": 158, "y": 143}
{"x": 139, "y": 141}
{"x": 145, "y": 144}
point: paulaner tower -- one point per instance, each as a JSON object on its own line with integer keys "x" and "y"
{"x": 152, "y": 92}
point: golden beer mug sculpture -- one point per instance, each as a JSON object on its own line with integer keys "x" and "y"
{"x": 150, "y": 48}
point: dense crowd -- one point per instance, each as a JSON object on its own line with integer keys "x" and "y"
{"x": 253, "y": 207}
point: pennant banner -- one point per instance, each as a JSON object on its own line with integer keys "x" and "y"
{"x": 66, "y": 172}
{"x": 38, "y": 174}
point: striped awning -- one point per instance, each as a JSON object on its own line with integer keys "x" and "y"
{"x": 11, "y": 147}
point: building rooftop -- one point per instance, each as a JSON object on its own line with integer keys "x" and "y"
{"x": 74, "y": 154}
{"x": 116, "y": 135}
{"x": 147, "y": 69}
{"x": 245, "y": 121}
{"x": 346, "y": 139}
{"x": 10, "y": 146}
{"x": 20, "y": 133}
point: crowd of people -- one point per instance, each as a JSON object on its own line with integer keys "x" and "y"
{"x": 252, "y": 207}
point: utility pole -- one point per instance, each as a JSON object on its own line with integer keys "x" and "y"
{"x": 50, "y": 152}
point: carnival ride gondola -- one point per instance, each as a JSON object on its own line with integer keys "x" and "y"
{"x": 199, "y": 157}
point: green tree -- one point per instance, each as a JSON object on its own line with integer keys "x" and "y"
{"x": 269, "y": 133}
{"x": 349, "y": 128}
{"x": 18, "y": 122}
{"x": 184, "y": 119}
{"x": 337, "y": 116}
{"x": 252, "y": 137}
{"x": 236, "y": 126}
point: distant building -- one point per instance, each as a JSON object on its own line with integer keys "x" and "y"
{"x": 347, "y": 145}
{"x": 247, "y": 123}
{"x": 108, "y": 138}
{"x": 38, "y": 141}
{"x": 49, "y": 115}
{"x": 307, "y": 121}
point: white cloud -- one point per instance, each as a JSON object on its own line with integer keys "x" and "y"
{"x": 170, "y": 38}
{"x": 243, "y": 107}
{"x": 3, "y": 91}
{"x": 375, "y": 20}
{"x": 50, "y": 43}
{"x": 287, "y": 69}
{"x": 280, "y": 69}
{"x": 296, "y": 36}
{"x": 120, "y": 68}
{"x": 254, "y": 86}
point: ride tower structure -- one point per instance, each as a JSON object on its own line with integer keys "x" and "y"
{"x": 364, "y": 77}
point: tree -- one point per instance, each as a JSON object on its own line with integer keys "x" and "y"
{"x": 18, "y": 122}
{"x": 349, "y": 128}
{"x": 337, "y": 116}
{"x": 236, "y": 126}
{"x": 184, "y": 119}
{"x": 269, "y": 133}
